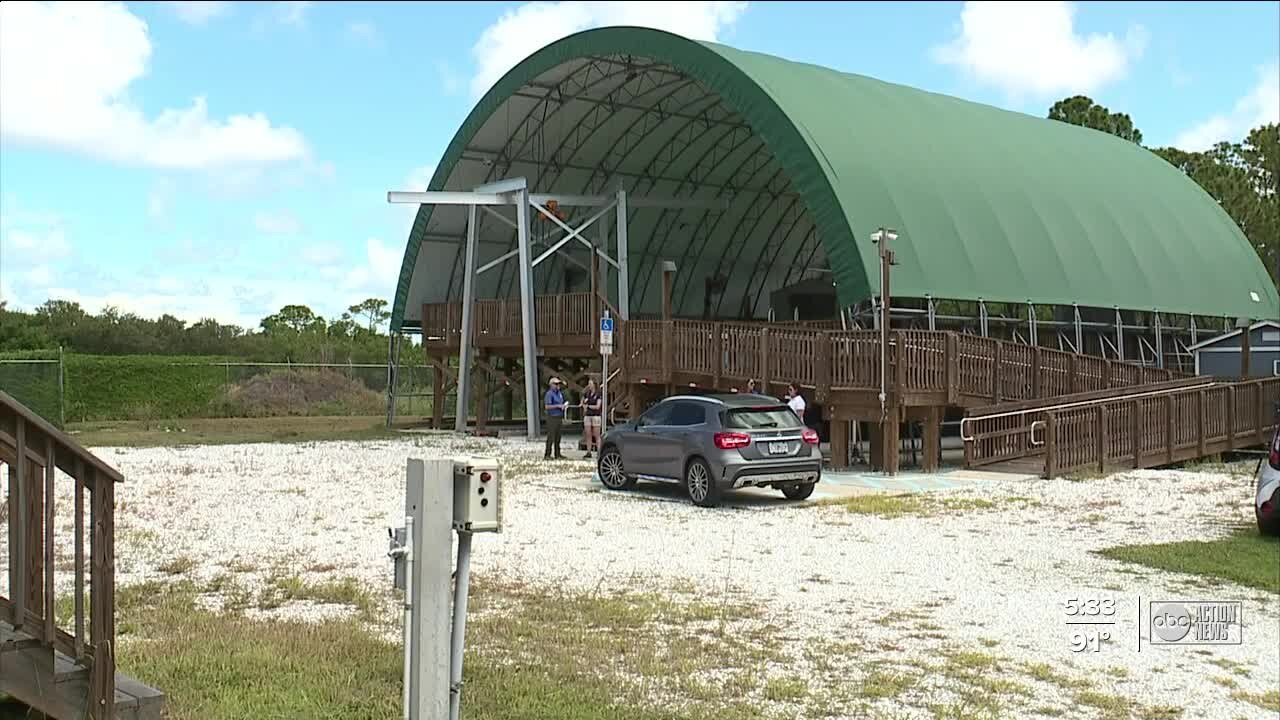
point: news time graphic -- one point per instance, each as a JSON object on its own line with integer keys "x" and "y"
{"x": 1195, "y": 622}
{"x": 1091, "y": 623}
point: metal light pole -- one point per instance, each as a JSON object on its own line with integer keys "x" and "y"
{"x": 882, "y": 238}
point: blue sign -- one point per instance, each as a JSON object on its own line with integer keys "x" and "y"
{"x": 606, "y": 324}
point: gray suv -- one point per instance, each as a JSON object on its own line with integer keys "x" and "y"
{"x": 710, "y": 443}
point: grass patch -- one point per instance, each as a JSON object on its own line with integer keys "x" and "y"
{"x": 923, "y": 504}
{"x": 1243, "y": 557}
{"x": 1269, "y": 700}
{"x": 531, "y": 655}
{"x": 880, "y": 684}
{"x": 180, "y": 565}
{"x": 227, "y": 431}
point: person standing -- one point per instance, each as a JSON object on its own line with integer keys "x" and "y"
{"x": 592, "y": 421}
{"x": 795, "y": 400}
{"x": 555, "y": 406}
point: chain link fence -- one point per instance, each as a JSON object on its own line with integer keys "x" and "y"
{"x": 91, "y": 388}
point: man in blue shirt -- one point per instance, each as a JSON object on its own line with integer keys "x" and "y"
{"x": 555, "y": 406}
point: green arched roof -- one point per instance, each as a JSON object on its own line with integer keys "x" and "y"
{"x": 989, "y": 204}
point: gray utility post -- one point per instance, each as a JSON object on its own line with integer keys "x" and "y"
{"x": 465, "y": 342}
{"x": 429, "y": 501}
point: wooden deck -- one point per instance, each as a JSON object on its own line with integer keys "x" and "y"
{"x": 1088, "y": 410}
{"x": 64, "y": 673}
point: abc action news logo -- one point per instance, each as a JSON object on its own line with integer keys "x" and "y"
{"x": 1195, "y": 622}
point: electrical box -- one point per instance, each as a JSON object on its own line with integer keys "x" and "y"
{"x": 477, "y": 496}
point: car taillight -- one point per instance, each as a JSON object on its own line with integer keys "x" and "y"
{"x": 732, "y": 440}
{"x": 1274, "y": 457}
{"x": 810, "y": 436}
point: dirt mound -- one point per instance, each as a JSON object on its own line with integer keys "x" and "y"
{"x": 301, "y": 392}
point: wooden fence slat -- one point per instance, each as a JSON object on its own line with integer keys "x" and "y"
{"x": 79, "y": 599}
{"x": 50, "y": 600}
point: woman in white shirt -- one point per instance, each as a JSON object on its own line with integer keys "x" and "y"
{"x": 795, "y": 400}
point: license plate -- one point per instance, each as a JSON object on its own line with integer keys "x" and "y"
{"x": 779, "y": 448}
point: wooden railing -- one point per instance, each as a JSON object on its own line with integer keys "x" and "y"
{"x": 1015, "y": 430}
{"x": 829, "y": 360}
{"x": 497, "y": 322}
{"x": 1156, "y": 425}
{"x": 1145, "y": 432}
{"x": 34, "y": 452}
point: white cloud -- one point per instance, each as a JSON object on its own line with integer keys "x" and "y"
{"x": 81, "y": 101}
{"x": 279, "y": 223}
{"x": 522, "y": 31}
{"x": 364, "y": 33}
{"x": 419, "y": 178}
{"x": 322, "y": 254}
{"x": 1034, "y": 48}
{"x": 197, "y": 13}
{"x": 377, "y": 275}
{"x": 1259, "y": 106}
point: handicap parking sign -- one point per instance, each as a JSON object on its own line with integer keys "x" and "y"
{"x": 606, "y": 324}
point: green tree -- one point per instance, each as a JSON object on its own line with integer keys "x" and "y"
{"x": 373, "y": 309}
{"x": 291, "y": 317}
{"x": 1083, "y": 111}
{"x": 1243, "y": 178}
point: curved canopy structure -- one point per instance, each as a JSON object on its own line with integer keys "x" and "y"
{"x": 807, "y": 162}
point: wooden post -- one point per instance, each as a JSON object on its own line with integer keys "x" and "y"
{"x": 50, "y": 600}
{"x": 35, "y": 541}
{"x": 823, "y": 366}
{"x": 892, "y": 440}
{"x": 995, "y": 373}
{"x": 1102, "y": 438}
{"x": 763, "y": 360}
{"x": 1050, "y": 446}
{"x": 877, "y": 445}
{"x": 1259, "y": 419}
{"x": 1135, "y": 406}
{"x": 1106, "y": 381}
{"x": 953, "y": 368}
{"x": 899, "y": 368}
{"x": 1245, "y": 352}
{"x": 839, "y": 444}
{"x": 932, "y": 438}
{"x": 1200, "y": 423}
{"x": 1073, "y": 384}
{"x": 1036, "y": 383}
{"x": 1168, "y": 429}
{"x": 668, "y": 350}
{"x": 717, "y": 349}
{"x": 79, "y": 599}
{"x": 19, "y": 488}
{"x": 102, "y": 601}
{"x": 560, "y": 319}
{"x": 1231, "y": 417}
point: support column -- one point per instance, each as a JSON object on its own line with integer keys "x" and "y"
{"x": 877, "y": 445}
{"x": 1079, "y": 329}
{"x": 624, "y": 275}
{"x": 466, "y": 350}
{"x": 932, "y": 438}
{"x": 482, "y": 401}
{"x": 839, "y": 444}
{"x": 892, "y": 438}
{"x": 508, "y": 395}
{"x": 528, "y": 317}
{"x": 668, "y": 280}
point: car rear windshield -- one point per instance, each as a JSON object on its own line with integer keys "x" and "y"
{"x": 763, "y": 418}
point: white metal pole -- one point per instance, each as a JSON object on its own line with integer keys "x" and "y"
{"x": 461, "y": 589}
{"x": 533, "y": 408}
{"x": 429, "y": 501}
{"x": 624, "y": 275}
{"x": 465, "y": 350}
{"x": 604, "y": 390}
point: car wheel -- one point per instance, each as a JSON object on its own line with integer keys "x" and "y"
{"x": 612, "y": 473}
{"x": 700, "y": 484}
{"x": 798, "y": 491}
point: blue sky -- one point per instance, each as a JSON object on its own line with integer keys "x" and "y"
{"x": 224, "y": 159}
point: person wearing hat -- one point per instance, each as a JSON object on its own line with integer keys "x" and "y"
{"x": 555, "y": 405}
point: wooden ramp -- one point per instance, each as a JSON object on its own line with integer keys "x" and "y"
{"x": 66, "y": 673}
{"x": 1141, "y": 426}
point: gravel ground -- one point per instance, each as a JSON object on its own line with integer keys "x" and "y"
{"x": 895, "y": 592}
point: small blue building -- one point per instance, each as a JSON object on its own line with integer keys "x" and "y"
{"x": 1220, "y": 356}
